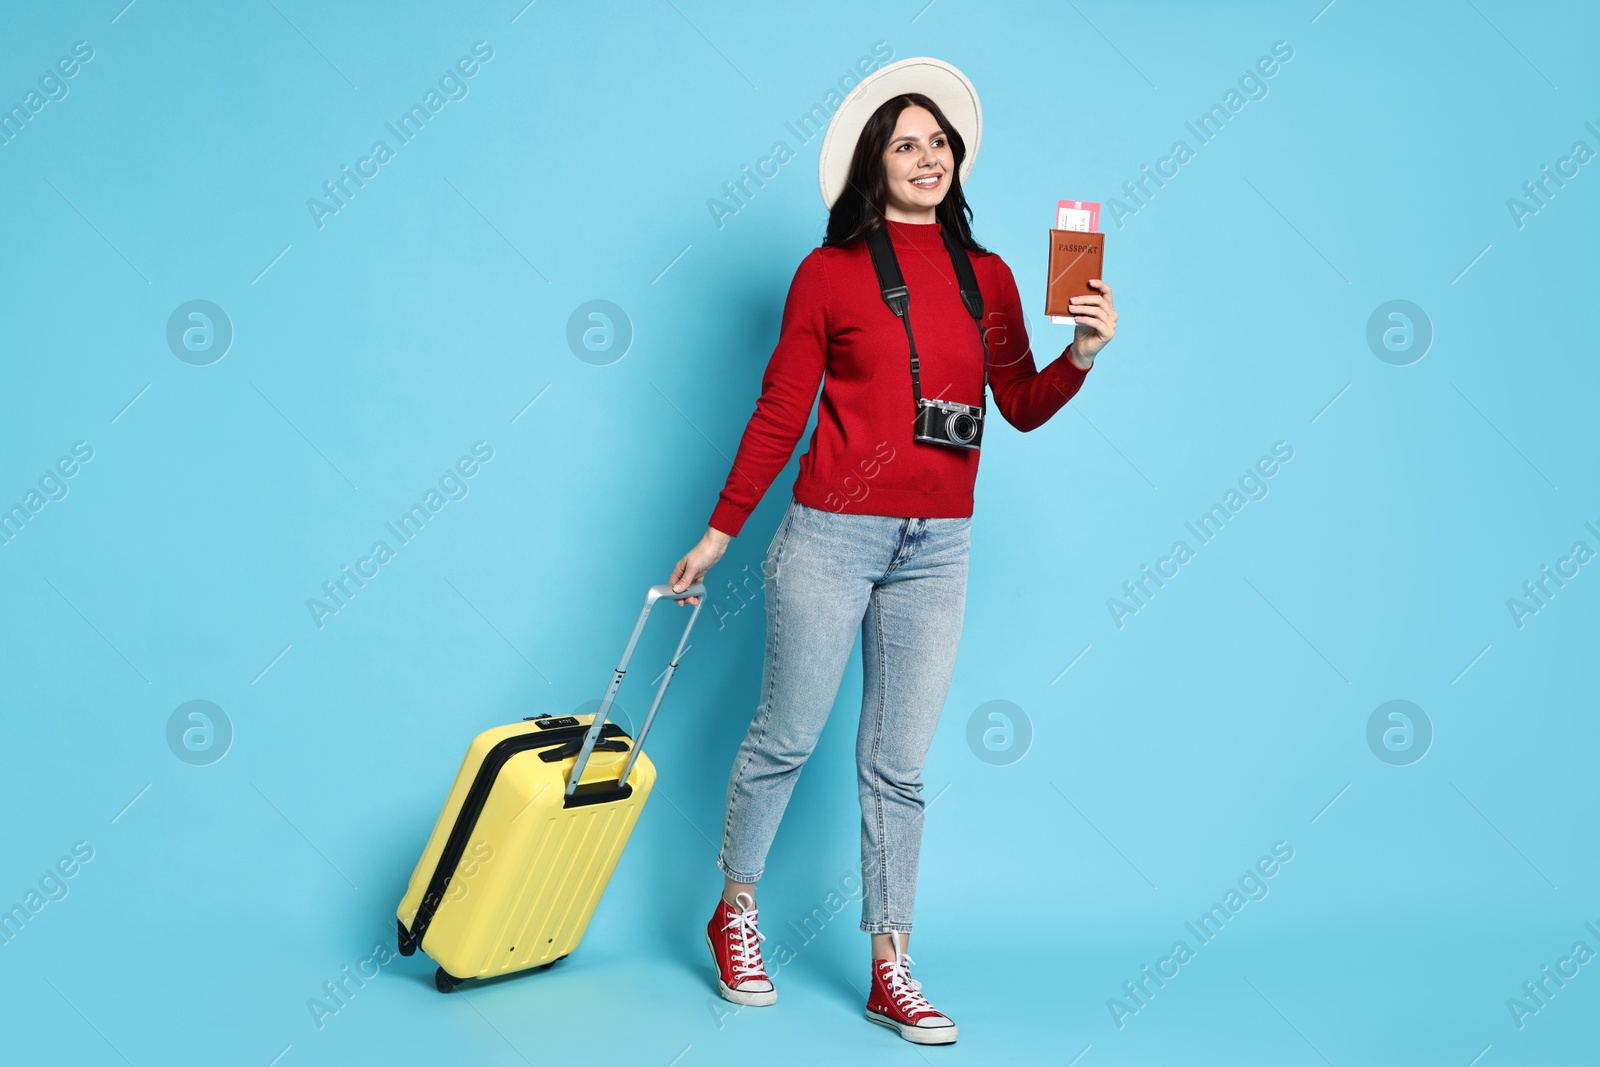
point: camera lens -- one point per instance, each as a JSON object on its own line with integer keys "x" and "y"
{"x": 963, "y": 427}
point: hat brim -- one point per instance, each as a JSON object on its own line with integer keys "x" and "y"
{"x": 933, "y": 78}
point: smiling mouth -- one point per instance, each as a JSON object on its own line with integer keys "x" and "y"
{"x": 930, "y": 181}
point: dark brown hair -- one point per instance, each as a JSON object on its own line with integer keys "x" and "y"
{"x": 859, "y": 209}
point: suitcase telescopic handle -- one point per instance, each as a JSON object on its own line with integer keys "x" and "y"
{"x": 657, "y": 592}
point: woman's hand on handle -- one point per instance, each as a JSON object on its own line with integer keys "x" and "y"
{"x": 697, "y": 561}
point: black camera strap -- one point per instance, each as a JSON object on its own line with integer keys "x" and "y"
{"x": 898, "y": 297}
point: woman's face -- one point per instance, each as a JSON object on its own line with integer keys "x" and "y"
{"x": 917, "y": 166}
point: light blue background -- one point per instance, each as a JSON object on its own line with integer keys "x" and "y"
{"x": 1230, "y": 713}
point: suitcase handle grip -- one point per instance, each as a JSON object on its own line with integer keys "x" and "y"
{"x": 658, "y": 591}
{"x": 655, "y": 593}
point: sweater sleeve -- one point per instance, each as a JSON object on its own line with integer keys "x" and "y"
{"x": 788, "y": 392}
{"x": 1026, "y": 396}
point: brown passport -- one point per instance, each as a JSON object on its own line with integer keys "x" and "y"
{"x": 1075, "y": 257}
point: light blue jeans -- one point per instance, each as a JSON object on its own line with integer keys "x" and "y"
{"x": 903, "y": 583}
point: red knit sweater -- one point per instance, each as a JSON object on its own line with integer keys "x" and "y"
{"x": 837, "y": 331}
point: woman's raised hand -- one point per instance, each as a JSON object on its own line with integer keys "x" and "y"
{"x": 1097, "y": 322}
{"x": 697, "y": 561}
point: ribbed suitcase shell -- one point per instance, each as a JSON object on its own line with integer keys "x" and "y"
{"x": 514, "y": 884}
{"x": 533, "y": 870}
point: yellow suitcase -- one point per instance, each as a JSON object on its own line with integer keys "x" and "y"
{"x": 533, "y": 827}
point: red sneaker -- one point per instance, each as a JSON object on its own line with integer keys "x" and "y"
{"x": 897, "y": 1002}
{"x": 735, "y": 945}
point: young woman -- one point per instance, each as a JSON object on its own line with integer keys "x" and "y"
{"x": 875, "y": 537}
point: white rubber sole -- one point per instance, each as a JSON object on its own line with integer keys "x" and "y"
{"x": 738, "y": 996}
{"x": 922, "y": 1035}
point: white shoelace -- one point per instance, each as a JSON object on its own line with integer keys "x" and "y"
{"x": 906, "y": 990}
{"x": 744, "y": 952}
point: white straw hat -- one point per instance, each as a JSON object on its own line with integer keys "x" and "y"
{"x": 933, "y": 78}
